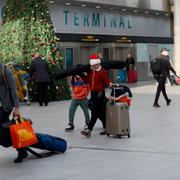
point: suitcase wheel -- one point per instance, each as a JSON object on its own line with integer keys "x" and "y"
{"x": 128, "y": 135}
{"x": 107, "y": 134}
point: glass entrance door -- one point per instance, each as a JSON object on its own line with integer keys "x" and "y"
{"x": 69, "y": 57}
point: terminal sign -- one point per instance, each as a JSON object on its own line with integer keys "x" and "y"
{"x": 95, "y": 19}
{"x": 78, "y": 20}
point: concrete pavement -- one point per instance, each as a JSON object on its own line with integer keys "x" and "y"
{"x": 152, "y": 152}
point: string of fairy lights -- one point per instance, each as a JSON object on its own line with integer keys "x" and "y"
{"x": 27, "y": 29}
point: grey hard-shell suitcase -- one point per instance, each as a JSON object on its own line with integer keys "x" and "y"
{"x": 117, "y": 119}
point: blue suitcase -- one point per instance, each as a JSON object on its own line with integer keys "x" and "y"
{"x": 122, "y": 76}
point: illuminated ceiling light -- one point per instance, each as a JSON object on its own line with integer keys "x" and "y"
{"x": 111, "y": 8}
{"x": 68, "y": 4}
{"x": 157, "y": 13}
{"x": 51, "y": 2}
{"x": 124, "y": 9}
{"x": 135, "y": 11}
{"x": 83, "y": 5}
{"x": 146, "y": 12}
{"x": 166, "y": 14}
{"x": 97, "y": 7}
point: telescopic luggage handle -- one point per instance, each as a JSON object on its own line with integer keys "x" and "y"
{"x": 113, "y": 87}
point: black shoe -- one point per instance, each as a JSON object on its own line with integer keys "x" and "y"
{"x": 21, "y": 156}
{"x": 69, "y": 128}
{"x": 156, "y": 105}
{"x": 168, "y": 102}
{"x": 103, "y": 132}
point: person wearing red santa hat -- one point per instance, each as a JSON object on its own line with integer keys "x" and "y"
{"x": 98, "y": 80}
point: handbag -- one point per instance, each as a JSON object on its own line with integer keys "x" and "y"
{"x": 22, "y": 133}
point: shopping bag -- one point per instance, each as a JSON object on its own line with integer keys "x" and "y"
{"x": 22, "y": 133}
{"x": 132, "y": 76}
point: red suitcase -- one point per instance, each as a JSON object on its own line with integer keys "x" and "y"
{"x": 132, "y": 76}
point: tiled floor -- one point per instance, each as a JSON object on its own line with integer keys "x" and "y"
{"x": 152, "y": 152}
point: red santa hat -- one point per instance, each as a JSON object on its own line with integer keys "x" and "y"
{"x": 94, "y": 59}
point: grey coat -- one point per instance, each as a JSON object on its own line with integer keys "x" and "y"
{"x": 39, "y": 69}
{"x": 8, "y": 95}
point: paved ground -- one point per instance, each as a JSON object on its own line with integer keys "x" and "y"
{"x": 152, "y": 152}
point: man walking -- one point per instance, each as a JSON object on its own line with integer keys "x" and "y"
{"x": 161, "y": 77}
{"x": 39, "y": 70}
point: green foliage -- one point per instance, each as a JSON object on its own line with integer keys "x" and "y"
{"x": 27, "y": 29}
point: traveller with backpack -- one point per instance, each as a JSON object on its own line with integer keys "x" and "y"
{"x": 160, "y": 68}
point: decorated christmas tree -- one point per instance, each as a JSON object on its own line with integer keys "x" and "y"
{"x": 27, "y": 29}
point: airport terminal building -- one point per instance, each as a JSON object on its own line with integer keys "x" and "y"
{"x": 113, "y": 28}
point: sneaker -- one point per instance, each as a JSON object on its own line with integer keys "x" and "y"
{"x": 168, "y": 102}
{"x": 86, "y": 132}
{"x": 156, "y": 105}
{"x": 103, "y": 132}
{"x": 69, "y": 128}
{"x": 21, "y": 156}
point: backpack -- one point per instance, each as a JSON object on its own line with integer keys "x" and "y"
{"x": 20, "y": 83}
{"x": 156, "y": 66}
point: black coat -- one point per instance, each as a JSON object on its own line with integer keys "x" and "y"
{"x": 39, "y": 70}
{"x": 130, "y": 63}
{"x": 80, "y": 68}
{"x": 166, "y": 66}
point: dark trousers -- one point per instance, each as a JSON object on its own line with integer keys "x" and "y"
{"x": 42, "y": 93}
{"x": 6, "y": 139}
{"x": 161, "y": 88}
{"x": 98, "y": 111}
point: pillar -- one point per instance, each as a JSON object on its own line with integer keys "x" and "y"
{"x": 177, "y": 36}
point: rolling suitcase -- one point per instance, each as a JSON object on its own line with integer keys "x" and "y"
{"x": 117, "y": 119}
{"x": 122, "y": 76}
{"x": 132, "y": 76}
